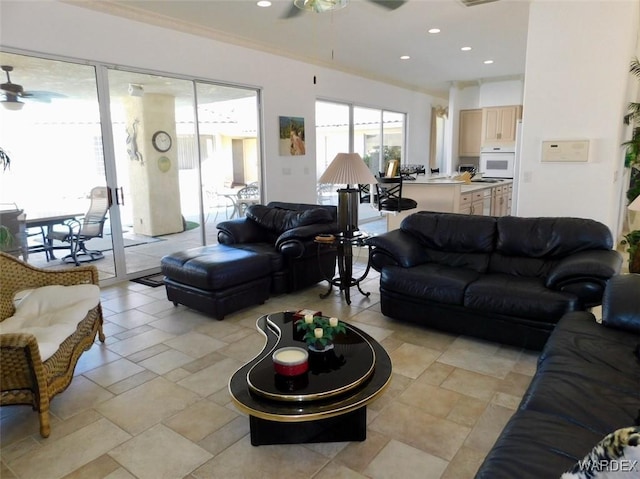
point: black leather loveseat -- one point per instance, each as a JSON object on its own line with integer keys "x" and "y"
{"x": 506, "y": 279}
{"x": 587, "y": 385}
{"x": 285, "y": 232}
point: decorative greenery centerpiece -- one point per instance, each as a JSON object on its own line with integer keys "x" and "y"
{"x": 319, "y": 331}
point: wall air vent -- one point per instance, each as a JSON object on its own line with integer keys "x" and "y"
{"x": 473, "y": 3}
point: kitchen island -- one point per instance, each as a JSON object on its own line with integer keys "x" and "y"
{"x": 443, "y": 194}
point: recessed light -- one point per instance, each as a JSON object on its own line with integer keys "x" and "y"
{"x": 264, "y": 3}
{"x": 465, "y": 49}
{"x": 488, "y": 62}
{"x": 434, "y": 30}
{"x": 405, "y": 57}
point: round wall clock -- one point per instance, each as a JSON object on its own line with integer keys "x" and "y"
{"x": 161, "y": 141}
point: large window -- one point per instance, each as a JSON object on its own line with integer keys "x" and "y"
{"x": 377, "y": 135}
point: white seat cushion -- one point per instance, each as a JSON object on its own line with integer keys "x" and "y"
{"x": 51, "y": 314}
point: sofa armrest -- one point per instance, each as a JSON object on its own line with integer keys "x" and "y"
{"x": 240, "y": 230}
{"x": 585, "y": 274}
{"x": 396, "y": 248}
{"x": 597, "y": 264}
{"x": 621, "y": 303}
{"x": 294, "y": 242}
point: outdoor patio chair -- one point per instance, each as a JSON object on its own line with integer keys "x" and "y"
{"x": 78, "y": 231}
{"x": 247, "y": 196}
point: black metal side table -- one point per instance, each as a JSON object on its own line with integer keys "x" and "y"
{"x": 344, "y": 245}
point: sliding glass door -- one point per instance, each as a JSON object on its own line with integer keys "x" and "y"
{"x": 156, "y": 159}
{"x": 50, "y": 129}
{"x": 183, "y": 151}
{"x": 229, "y": 151}
{"x": 171, "y": 155}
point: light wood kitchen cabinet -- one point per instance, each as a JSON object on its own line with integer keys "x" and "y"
{"x": 470, "y": 132}
{"x": 478, "y": 202}
{"x": 465, "y": 203}
{"x": 499, "y": 124}
{"x": 501, "y": 198}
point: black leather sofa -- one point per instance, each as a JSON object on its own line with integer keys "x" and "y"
{"x": 586, "y": 386}
{"x": 505, "y": 279}
{"x": 285, "y": 232}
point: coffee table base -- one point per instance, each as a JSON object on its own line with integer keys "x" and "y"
{"x": 351, "y": 426}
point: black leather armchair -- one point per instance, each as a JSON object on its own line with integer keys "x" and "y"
{"x": 285, "y": 232}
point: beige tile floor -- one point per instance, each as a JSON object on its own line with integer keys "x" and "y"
{"x": 152, "y": 402}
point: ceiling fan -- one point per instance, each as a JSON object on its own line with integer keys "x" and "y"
{"x": 322, "y": 6}
{"x": 14, "y": 92}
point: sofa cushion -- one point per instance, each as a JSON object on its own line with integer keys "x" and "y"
{"x": 51, "y": 314}
{"x": 215, "y": 267}
{"x": 550, "y": 237}
{"x": 521, "y": 265}
{"x": 518, "y": 296}
{"x": 534, "y": 445}
{"x": 451, "y": 232}
{"x": 476, "y": 261}
{"x": 432, "y": 282}
{"x": 280, "y": 220}
{"x": 284, "y": 205}
{"x": 276, "y": 260}
{"x": 586, "y": 367}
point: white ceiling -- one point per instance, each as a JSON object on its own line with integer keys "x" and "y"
{"x": 363, "y": 38}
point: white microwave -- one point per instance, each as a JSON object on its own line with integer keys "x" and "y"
{"x": 497, "y": 162}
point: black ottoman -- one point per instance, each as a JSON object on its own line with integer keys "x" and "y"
{"x": 217, "y": 279}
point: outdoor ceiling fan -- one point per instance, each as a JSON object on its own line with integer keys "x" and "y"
{"x": 322, "y": 6}
{"x": 14, "y": 92}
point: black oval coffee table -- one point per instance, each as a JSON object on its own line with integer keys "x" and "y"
{"x": 326, "y": 404}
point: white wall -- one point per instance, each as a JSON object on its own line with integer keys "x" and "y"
{"x": 576, "y": 79}
{"x": 287, "y": 85}
{"x": 500, "y": 93}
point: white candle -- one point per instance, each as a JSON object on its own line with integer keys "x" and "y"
{"x": 333, "y": 322}
{"x": 290, "y": 356}
{"x": 308, "y": 318}
{"x": 318, "y": 332}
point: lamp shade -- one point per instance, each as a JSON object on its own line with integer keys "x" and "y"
{"x": 346, "y": 169}
{"x": 635, "y": 204}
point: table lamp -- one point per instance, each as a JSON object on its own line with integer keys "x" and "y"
{"x": 348, "y": 169}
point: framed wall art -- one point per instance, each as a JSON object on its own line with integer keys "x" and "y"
{"x": 292, "y": 136}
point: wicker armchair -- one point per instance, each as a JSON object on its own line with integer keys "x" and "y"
{"x": 24, "y": 377}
